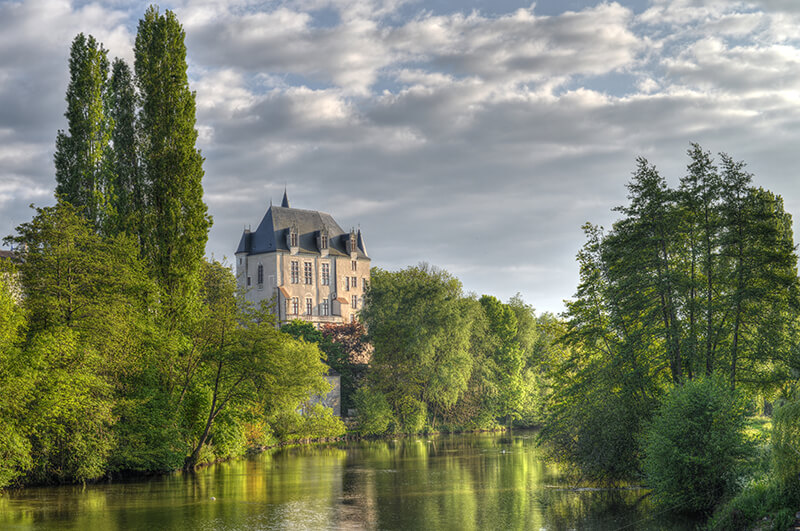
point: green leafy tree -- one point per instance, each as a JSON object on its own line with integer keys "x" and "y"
{"x": 82, "y": 152}
{"x": 419, "y": 327}
{"x": 244, "y": 360}
{"x": 176, "y": 222}
{"x": 697, "y": 281}
{"x": 374, "y": 412}
{"x": 88, "y": 300}
{"x": 508, "y": 357}
{"x": 698, "y": 201}
{"x": 128, "y": 200}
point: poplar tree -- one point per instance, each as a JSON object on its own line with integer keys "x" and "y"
{"x": 128, "y": 197}
{"x": 175, "y": 222}
{"x": 81, "y": 158}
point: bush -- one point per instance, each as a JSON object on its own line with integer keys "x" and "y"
{"x": 374, "y": 414}
{"x": 695, "y": 444}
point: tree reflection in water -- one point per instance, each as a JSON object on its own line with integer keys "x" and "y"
{"x": 475, "y": 481}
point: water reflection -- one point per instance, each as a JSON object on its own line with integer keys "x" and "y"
{"x": 486, "y": 481}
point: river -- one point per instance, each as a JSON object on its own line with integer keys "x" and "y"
{"x": 460, "y": 482}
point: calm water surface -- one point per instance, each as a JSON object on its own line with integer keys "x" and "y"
{"x": 486, "y": 481}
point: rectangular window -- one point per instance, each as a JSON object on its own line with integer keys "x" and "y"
{"x": 293, "y": 239}
{"x": 260, "y": 275}
{"x": 323, "y": 242}
{"x": 354, "y": 265}
{"x": 326, "y": 274}
{"x": 325, "y": 307}
{"x": 248, "y": 281}
{"x": 347, "y": 283}
{"x": 363, "y": 284}
{"x": 355, "y": 301}
{"x": 295, "y": 305}
{"x": 354, "y": 283}
{"x": 307, "y": 272}
{"x": 295, "y": 272}
{"x": 309, "y": 305}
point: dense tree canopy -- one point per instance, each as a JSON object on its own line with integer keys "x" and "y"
{"x": 697, "y": 281}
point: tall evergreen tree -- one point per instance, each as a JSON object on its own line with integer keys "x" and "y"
{"x": 81, "y": 158}
{"x": 128, "y": 198}
{"x": 176, "y": 222}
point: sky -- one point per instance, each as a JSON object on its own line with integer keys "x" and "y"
{"x": 476, "y": 136}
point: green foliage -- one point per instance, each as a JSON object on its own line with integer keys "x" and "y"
{"x": 696, "y": 281}
{"x": 507, "y": 355}
{"x": 176, "y": 222}
{"x": 82, "y": 153}
{"x": 374, "y": 412}
{"x": 315, "y": 422}
{"x": 304, "y": 330}
{"x": 147, "y": 438}
{"x": 128, "y": 199}
{"x": 70, "y": 409}
{"x": 242, "y": 359}
{"x": 15, "y": 456}
{"x": 411, "y": 414}
{"x": 420, "y": 330}
{"x": 88, "y": 300}
{"x": 695, "y": 444}
{"x": 597, "y": 433}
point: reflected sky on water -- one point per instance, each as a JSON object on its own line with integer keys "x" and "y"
{"x": 482, "y": 481}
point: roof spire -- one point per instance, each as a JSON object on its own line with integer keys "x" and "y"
{"x": 285, "y": 202}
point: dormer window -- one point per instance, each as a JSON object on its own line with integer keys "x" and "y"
{"x": 292, "y": 239}
{"x": 352, "y": 246}
{"x": 323, "y": 242}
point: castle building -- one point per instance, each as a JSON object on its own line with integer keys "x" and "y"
{"x": 304, "y": 263}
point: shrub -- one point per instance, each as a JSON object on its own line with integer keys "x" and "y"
{"x": 694, "y": 445}
{"x": 374, "y": 414}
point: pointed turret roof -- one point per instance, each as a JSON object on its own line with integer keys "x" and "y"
{"x": 285, "y": 202}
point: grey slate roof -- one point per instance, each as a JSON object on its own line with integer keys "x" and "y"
{"x": 270, "y": 236}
